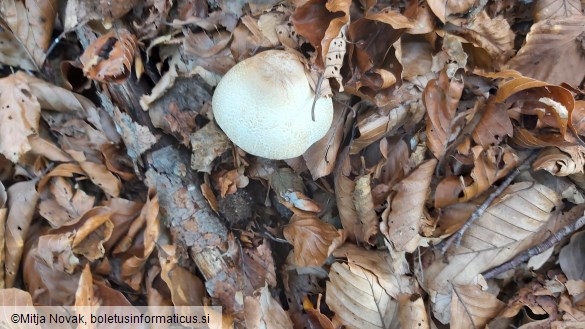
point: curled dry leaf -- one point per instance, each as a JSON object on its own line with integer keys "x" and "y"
{"x": 490, "y": 165}
{"x": 109, "y": 58}
{"x": 547, "y": 41}
{"x": 374, "y": 123}
{"x": 263, "y": 311}
{"x": 230, "y": 181}
{"x": 22, "y": 202}
{"x": 32, "y": 23}
{"x": 403, "y": 219}
{"x": 446, "y": 10}
{"x": 511, "y": 224}
{"x": 55, "y": 250}
{"x": 493, "y": 125}
{"x": 90, "y": 236}
{"x": 19, "y": 116}
{"x": 133, "y": 266}
{"x": 472, "y": 307}
{"x": 441, "y": 97}
{"x": 311, "y": 239}
{"x": 494, "y": 35}
{"x": 561, "y": 162}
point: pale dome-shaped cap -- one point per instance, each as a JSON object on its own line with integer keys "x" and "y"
{"x": 263, "y": 104}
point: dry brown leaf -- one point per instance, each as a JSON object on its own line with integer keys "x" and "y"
{"x": 546, "y": 9}
{"x": 412, "y": 312}
{"x": 55, "y": 250}
{"x": 102, "y": 177}
{"x": 61, "y": 205}
{"x": 19, "y": 116}
{"x": 493, "y": 125}
{"x": 441, "y": 98}
{"x": 117, "y": 161}
{"x": 32, "y": 23}
{"x": 344, "y": 187}
{"x": 230, "y": 181}
{"x": 374, "y": 123}
{"x": 473, "y": 308}
{"x": 315, "y": 314}
{"x": 311, "y": 239}
{"x": 364, "y": 207}
{"x": 259, "y": 265}
{"x": 109, "y": 58}
{"x": 446, "y": 10}
{"x": 571, "y": 255}
{"x": 132, "y": 269}
{"x": 13, "y": 53}
{"x": 263, "y": 311}
{"x": 90, "y": 236}
{"x": 207, "y": 144}
{"x": 403, "y": 219}
{"x": 490, "y": 165}
{"x": 549, "y": 40}
{"x": 186, "y": 289}
{"x": 22, "y": 202}
{"x": 322, "y": 155}
{"x": 511, "y": 224}
{"x": 84, "y": 295}
{"x": 52, "y": 97}
{"x": 561, "y": 162}
{"x": 494, "y": 35}
{"x": 363, "y": 292}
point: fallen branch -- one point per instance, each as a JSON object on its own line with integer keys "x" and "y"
{"x": 538, "y": 249}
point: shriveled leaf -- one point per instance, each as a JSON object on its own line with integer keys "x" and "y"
{"x": 561, "y": 162}
{"x": 109, "y": 58}
{"x": 207, "y": 144}
{"x": 311, "y": 239}
{"x": 441, "y": 97}
{"x": 473, "y": 308}
{"x": 446, "y": 10}
{"x": 61, "y": 205}
{"x": 510, "y": 225}
{"x": 374, "y": 123}
{"x": 19, "y": 116}
{"x": 547, "y": 41}
{"x": 263, "y": 311}
{"x": 230, "y": 181}
{"x": 31, "y": 22}
{"x": 402, "y": 224}
{"x": 22, "y": 201}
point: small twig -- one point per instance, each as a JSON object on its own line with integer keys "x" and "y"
{"x": 538, "y": 249}
{"x": 483, "y": 207}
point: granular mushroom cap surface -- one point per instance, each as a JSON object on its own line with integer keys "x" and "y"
{"x": 263, "y": 104}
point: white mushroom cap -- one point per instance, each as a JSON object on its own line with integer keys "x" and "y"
{"x": 263, "y": 104}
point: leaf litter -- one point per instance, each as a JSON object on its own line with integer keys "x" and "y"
{"x": 117, "y": 187}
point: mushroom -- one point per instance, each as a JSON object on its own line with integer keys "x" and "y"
{"x": 264, "y": 103}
